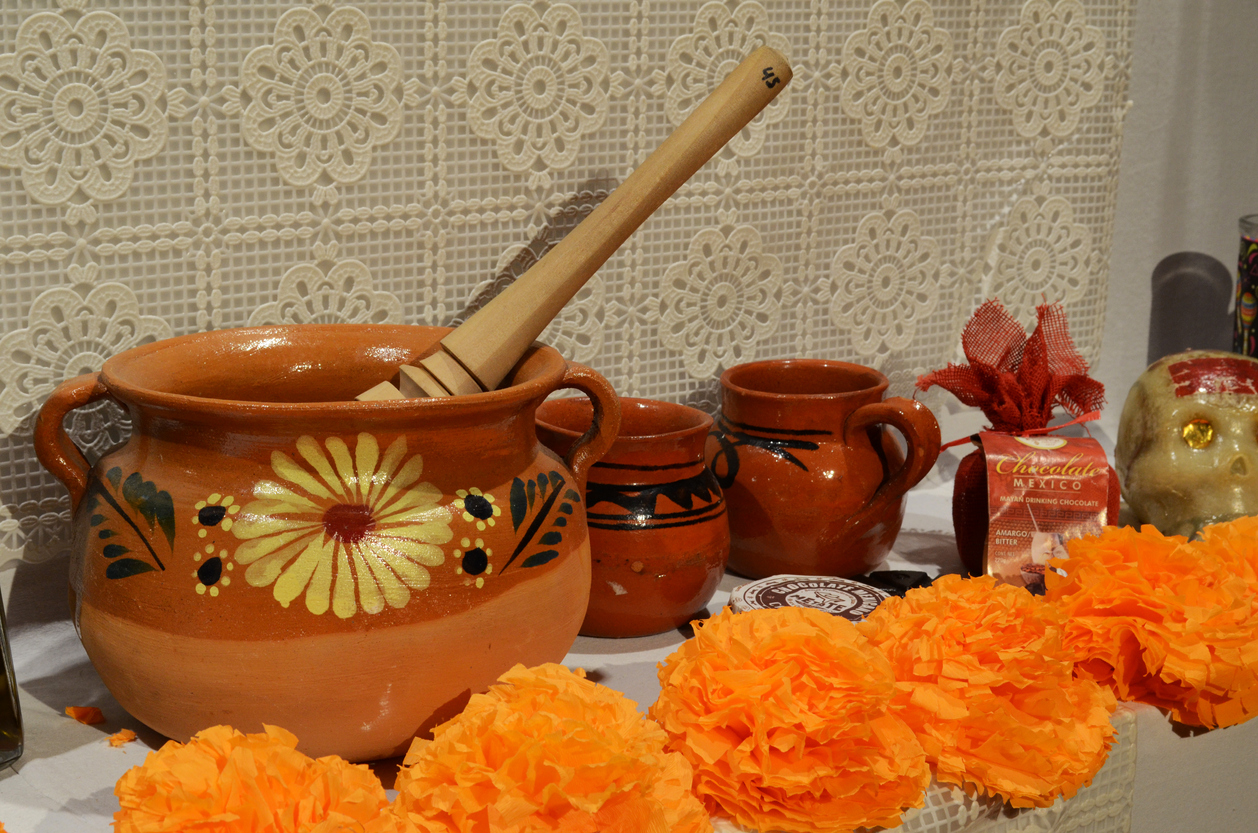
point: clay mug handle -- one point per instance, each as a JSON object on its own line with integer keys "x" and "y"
{"x": 921, "y": 432}
{"x": 53, "y": 446}
{"x": 594, "y": 443}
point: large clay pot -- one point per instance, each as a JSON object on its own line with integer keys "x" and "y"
{"x": 264, "y": 549}
{"x": 659, "y": 538}
{"x": 814, "y": 483}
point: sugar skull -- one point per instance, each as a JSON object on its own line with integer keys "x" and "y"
{"x": 1187, "y": 452}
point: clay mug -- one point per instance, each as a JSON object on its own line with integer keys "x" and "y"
{"x": 659, "y": 536}
{"x": 813, "y": 481}
{"x": 264, "y": 549}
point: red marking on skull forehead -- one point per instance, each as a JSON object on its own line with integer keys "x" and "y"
{"x": 1217, "y": 374}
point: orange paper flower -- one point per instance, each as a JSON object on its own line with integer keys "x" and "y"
{"x": 986, "y": 682}
{"x": 1167, "y": 621}
{"x": 225, "y": 780}
{"x": 121, "y": 737}
{"x": 87, "y": 715}
{"x": 783, "y": 714}
{"x": 547, "y": 750}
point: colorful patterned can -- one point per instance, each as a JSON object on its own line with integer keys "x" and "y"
{"x": 1244, "y": 333}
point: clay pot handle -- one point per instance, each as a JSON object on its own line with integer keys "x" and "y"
{"x": 921, "y": 432}
{"x": 53, "y": 446}
{"x": 594, "y": 443}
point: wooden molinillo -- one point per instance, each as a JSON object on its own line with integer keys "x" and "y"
{"x": 477, "y": 355}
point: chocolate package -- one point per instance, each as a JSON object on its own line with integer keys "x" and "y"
{"x": 1025, "y": 491}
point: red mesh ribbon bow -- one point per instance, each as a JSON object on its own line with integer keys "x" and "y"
{"x": 1017, "y": 380}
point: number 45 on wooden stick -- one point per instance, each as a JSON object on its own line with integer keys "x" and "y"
{"x": 477, "y": 355}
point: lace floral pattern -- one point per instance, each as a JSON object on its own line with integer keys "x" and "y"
{"x": 1050, "y": 67}
{"x": 68, "y": 335}
{"x": 41, "y": 527}
{"x": 897, "y": 73}
{"x": 321, "y": 96}
{"x": 1041, "y": 253}
{"x": 721, "y": 300}
{"x": 79, "y": 107}
{"x": 537, "y": 88}
{"x": 886, "y": 282}
{"x": 309, "y": 295}
{"x": 699, "y": 61}
{"x": 400, "y": 160}
{"x": 98, "y": 428}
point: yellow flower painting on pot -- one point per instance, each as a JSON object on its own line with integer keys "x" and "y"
{"x": 351, "y": 529}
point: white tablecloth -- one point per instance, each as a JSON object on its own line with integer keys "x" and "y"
{"x": 1203, "y": 782}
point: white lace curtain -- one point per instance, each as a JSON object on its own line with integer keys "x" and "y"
{"x": 173, "y": 167}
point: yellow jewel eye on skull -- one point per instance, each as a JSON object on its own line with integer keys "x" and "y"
{"x": 1198, "y": 433}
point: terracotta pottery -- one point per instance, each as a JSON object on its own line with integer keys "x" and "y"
{"x": 813, "y": 481}
{"x": 264, "y": 549}
{"x": 659, "y": 536}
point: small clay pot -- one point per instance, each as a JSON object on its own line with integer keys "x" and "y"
{"x": 814, "y": 482}
{"x": 659, "y": 535}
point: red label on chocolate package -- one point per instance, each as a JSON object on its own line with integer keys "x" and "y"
{"x": 1041, "y": 492}
{"x": 1215, "y": 374}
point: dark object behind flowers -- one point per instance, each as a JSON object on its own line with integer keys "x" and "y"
{"x": 1016, "y": 381}
{"x": 896, "y": 582}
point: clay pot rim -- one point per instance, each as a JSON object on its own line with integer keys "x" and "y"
{"x": 129, "y": 392}
{"x": 702, "y": 421}
{"x": 881, "y": 382}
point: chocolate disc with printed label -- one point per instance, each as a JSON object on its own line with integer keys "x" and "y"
{"x": 838, "y": 596}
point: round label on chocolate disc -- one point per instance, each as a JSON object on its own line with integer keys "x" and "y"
{"x": 838, "y": 596}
